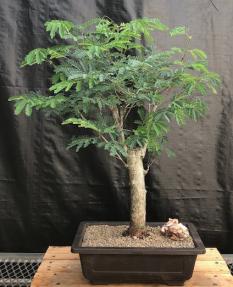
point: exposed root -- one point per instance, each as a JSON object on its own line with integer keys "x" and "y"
{"x": 136, "y": 233}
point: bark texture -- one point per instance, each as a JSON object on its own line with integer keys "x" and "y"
{"x": 138, "y": 192}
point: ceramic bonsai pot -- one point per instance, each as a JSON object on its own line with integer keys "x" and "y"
{"x": 105, "y": 265}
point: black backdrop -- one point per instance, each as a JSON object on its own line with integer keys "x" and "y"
{"x": 45, "y": 190}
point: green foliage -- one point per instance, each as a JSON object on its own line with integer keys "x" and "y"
{"x": 82, "y": 142}
{"x": 36, "y": 56}
{"x": 106, "y": 76}
{"x": 36, "y": 101}
{"x": 198, "y": 54}
{"x": 178, "y": 31}
{"x": 83, "y": 123}
{"x": 63, "y": 28}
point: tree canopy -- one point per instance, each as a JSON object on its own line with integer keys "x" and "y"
{"x": 103, "y": 73}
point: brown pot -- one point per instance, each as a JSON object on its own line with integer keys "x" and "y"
{"x": 105, "y": 265}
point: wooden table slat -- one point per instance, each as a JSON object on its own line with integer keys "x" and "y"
{"x": 62, "y": 268}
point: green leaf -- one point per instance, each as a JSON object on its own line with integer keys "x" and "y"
{"x": 79, "y": 86}
{"x": 35, "y": 101}
{"x": 28, "y": 110}
{"x": 160, "y": 128}
{"x": 87, "y": 124}
{"x": 19, "y": 106}
{"x": 180, "y": 30}
{"x": 36, "y": 56}
{"x": 199, "y": 67}
{"x": 59, "y": 51}
{"x": 64, "y": 85}
{"x": 201, "y": 88}
{"x": 197, "y": 53}
{"x": 73, "y": 121}
{"x": 62, "y": 27}
{"x": 81, "y": 142}
{"x": 90, "y": 83}
{"x": 16, "y": 98}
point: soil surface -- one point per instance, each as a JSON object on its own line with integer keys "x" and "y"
{"x": 111, "y": 236}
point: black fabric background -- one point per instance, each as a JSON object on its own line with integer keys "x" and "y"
{"x": 45, "y": 190}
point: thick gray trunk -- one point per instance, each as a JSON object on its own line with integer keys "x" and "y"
{"x": 137, "y": 189}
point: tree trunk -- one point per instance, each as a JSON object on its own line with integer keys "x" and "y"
{"x": 138, "y": 192}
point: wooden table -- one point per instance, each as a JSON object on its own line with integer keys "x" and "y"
{"x": 60, "y": 267}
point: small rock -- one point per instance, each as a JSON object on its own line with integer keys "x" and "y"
{"x": 175, "y": 230}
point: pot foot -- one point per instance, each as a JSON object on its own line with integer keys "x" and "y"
{"x": 174, "y": 283}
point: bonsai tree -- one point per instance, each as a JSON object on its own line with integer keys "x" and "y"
{"x": 123, "y": 92}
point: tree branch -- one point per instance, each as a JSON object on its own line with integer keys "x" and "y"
{"x": 148, "y": 166}
{"x": 212, "y": 2}
{"x": 118, "y": 116}
{"x": 117, "y": 154}
{"x": 128, "y": 111}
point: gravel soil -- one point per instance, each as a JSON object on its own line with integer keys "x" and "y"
{"x": 111, "y": 236}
